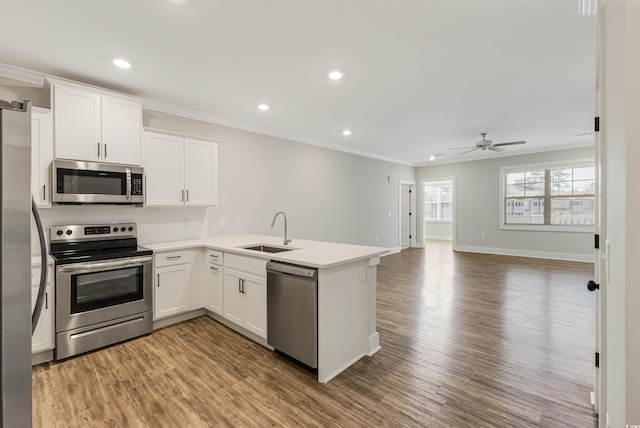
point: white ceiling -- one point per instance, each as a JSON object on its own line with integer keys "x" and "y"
{"x": 422, "y": 75}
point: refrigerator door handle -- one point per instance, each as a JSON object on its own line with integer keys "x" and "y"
{"x": 44, "y": 268}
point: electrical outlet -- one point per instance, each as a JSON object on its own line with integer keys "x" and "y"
{"x": 483, "y": 235}
{"x": 221, "y": 222}
{"x": 238, "y": 221}
{"x": 389, "y": 213}
{"x": 376, "y": 238}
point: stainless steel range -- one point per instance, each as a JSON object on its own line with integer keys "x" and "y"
{"x": 103, "y": 286}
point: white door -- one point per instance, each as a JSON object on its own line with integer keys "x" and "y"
{"x": 77, "y": 124}
{"x": 201, "y": 172}
{"x": 255, "y": 305}
{"x": 405, "y": 215}
{"x": 171, "y": 292}
{"x": 600, "y": 265}
{"x": 121, "y": 131}
{"x": 163, "y": 167}
{"x": 233, "y": 300}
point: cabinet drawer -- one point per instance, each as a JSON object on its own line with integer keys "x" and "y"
{"x": 257, "y": 267}
{"x": 214, "y": 257}
{"x": 172, "y": 258}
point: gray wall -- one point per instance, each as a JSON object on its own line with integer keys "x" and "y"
{"x": 477, "y": 209}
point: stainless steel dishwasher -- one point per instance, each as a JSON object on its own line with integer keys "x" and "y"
{"x": 292, "y": 311}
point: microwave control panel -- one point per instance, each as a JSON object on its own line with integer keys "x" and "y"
{"x": 136, "y": 184}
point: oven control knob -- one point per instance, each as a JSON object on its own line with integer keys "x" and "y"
{"x": 122, "y": 229}
{"x": 69, "y": 232}
{"x": 115, "y": 229}
{"x": 130, "y": 228}
{"x": 59, "y": 232}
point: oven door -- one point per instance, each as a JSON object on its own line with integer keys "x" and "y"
{"x": 93, "y": 292}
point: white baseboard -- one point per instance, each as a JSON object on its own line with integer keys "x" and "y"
{"x": 527, "y": 253}
{"x": 393, "y": 250}
{"x": 440, "y": 237}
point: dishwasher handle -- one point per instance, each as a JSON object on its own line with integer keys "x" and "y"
{"x": 293, "y": 270}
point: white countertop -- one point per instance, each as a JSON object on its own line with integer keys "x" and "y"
{"x": 307, "y": 253}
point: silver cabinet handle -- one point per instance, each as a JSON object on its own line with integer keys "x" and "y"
{"x": 213, "y": 268}
{"x": 105, "y": 151}
{"x": 173, "y": 257}
{"x": 239, "y": 285}
{"x": 44, "y": 192}
{"x": 98, "y": 150}
{"x": 242, "y": 286}
{"x": 187, "y": 195}
{"x": 46, "y": 300}
{"x": 158, "y": 279}
{"x": 182, "y": 197}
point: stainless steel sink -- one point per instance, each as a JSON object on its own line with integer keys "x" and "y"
{"x": 267, "y": 248}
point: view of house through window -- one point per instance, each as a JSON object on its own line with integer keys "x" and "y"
{"x": 568, "y": 191}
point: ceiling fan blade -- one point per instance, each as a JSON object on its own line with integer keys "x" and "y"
{"x": 512, "y": 143}
{"x": 495, "y": 149}
{"x": 458, "y": 148}
{"x": 475, "y": 148}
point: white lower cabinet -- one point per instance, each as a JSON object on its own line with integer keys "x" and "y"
{"x": 245, "y": 293}
{"x": 172, "y": 283}
{"x": 213, "y": 282}
{"x": 42, "y": 338}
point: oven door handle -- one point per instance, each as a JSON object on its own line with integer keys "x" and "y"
{"x": 78, "y": 268}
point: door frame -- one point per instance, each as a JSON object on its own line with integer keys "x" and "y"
{"x": 453, "y": 209}
{"x": 412, "y": 217}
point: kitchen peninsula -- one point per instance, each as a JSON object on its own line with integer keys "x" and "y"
{"x": 346, "y": 289}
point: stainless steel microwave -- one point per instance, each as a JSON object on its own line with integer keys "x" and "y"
{"x": 76, "y": 182}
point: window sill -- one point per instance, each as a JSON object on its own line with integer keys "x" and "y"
{"x": 548, "y": 228}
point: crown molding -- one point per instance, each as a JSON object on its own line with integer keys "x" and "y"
{"x": 22, "y": 75}
{"x": 245, "y": 126}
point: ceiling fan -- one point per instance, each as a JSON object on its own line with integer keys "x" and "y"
{"x": 487, "y": 145}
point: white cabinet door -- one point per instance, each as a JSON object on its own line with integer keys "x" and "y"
{"x": 41, "y": 155}
{"x": 121, "y": 130}
{"x": 245, "y": 301}
{"x": 200, "y": 168}
{"x": 255, "y": 305}
{"x": 43, "y": 336}
{"x": 163, "y": 169}
{"x": 94, "y": 127}
{"x": 214, "y": 289}
{"x": 233, "y": 300}
{"x": 171, "y": 291}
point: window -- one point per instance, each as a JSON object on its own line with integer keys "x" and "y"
{"x": 558, "y": 195}
{"x": 438, "y": 201}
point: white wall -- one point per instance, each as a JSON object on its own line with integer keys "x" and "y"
{"x": 477, "y": 209}
{"x": 620, "y": 136}
{"x": 327, "y": 195}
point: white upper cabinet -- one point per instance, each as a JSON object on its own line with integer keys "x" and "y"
{"x": 89, "y": 126}
{"x": 180, "y": 171}
{"x": 41, "y": 155}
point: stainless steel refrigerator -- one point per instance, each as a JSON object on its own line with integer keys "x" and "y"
{"x": 15, "y": 267}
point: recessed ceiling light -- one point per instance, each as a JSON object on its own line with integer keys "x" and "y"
{"x": 263, "y": 107}
{"x": 346, "y": 132}
{"x": 121, "y": 63}
{"x": 434, "y": 157}
{"x": 336, "y": 74}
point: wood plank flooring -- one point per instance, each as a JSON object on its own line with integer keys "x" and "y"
{"x": 467, "y": 340}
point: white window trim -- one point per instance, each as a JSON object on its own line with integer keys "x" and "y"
{"x": 541, "y": 227}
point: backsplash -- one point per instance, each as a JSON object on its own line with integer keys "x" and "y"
{"x": 157, "y": 224}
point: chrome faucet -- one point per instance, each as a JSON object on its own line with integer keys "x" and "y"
{"x": 284, "y": 215}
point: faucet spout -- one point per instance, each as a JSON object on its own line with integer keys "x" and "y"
{"x": 273, "y": 223}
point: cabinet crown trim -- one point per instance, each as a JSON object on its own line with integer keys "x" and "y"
{"x": 179, "y": 134}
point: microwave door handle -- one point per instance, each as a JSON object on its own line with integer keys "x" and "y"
{"x": 128, "y": 184}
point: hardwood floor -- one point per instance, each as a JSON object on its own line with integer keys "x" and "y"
{"x": 467, "y": 340}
